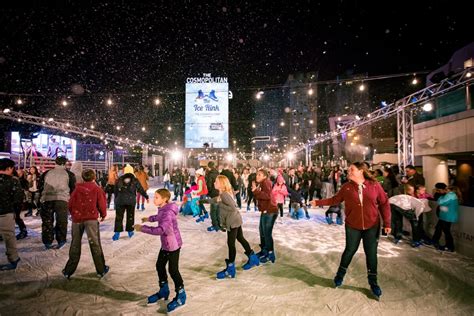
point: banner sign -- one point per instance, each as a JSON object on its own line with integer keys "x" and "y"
{"x": 207, "y": 112}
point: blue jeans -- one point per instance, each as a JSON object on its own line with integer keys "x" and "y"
{"x": 267, "y": 220}
{"x": 202, "y": 209}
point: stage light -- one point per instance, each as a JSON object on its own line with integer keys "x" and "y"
{"x": 19, "y": 101}
{"x": 427, "y": 107}
{"x": 468, "y": 74}
{"x": 361, "y": 87}
{"x": 6, "y": 111}
{"x": 310, "y": 91}
{"x": 176, "y": 155}
{"x": 414, "y": 81}
{"x": 259, "y": 95}
{"x": 50, "y": 119}
{"x": 358, "y": 117}
{"x": 157, "y": 101}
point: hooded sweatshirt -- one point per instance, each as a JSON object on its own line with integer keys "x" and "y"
{"x": 87, "y": 202}
{"x": 126, "y": 190}
{"x": 167, "y": 227}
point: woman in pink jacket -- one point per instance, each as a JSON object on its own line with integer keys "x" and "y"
{"x": 280, "y": 192}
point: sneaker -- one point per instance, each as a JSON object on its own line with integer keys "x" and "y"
{"x": 212, "y": 228}
{"x": 106, "y": 270}
{"x": 61, "y": 244}
{"x": 10, "y": 266}
{"x": 130, "y": 234}
{"x": 116, "y": 236}
{"x": 66, "y": 275}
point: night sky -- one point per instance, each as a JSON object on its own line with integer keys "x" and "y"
{"x": 88, "y": 51}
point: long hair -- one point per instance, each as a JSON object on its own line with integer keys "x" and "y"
{"x": 225, "y": 184}
{"x": 362, "y": 166}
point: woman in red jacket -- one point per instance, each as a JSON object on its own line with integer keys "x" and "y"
{"x": 262, "y": 191}
{"x": 365, "y": 200}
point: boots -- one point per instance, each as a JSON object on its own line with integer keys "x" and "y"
{"x": 116, "y": 236}
{"x": 178, "y": 301}
{"x": 339, "y": 278}
{"x": 329, "y": 220}
{"x": 22, "y": 235}
{"x": 229, "y": 271}
{"x": 163, "y": 293}
{"x": 143, "y": 207}
{"x": 270, "y": 256}
{"x": 339, "y": 220}
{"x": 374, "y": 287}
{"x": 252, "y": 262}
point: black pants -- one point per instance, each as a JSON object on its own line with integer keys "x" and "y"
{"x": 336, "y": 211}
{"x": 91, "y": 228}
{"x": 445, "y": 227}
{"x": 110, "y": 189}
{"x": 18, "y": 220}
{"x": 311, "y": 193}
{"x": 370, "y": 240}
{"x": 130, "y": 219}
{"x": 238, "y": 200}
{"x": 398, "y": 214}
{"x": 280, "y": 207}
{"x": 250, "y": 197}
{"x": 50, "y": 211}
{"x": 232, "y": 235}
{"x": 173, "y": 267}
{"x": 215, "y": 215}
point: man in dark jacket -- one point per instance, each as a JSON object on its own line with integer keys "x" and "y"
{"x": 212, "y": 192}
{"x": 125, "y": 199}
{"x": 55, "y": 186}
{"x": 11, "y": 194}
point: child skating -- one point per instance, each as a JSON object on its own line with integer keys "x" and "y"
{"x": 171, "y": 243}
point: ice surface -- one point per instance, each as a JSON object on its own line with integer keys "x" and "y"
{"x": 414, "y": 281}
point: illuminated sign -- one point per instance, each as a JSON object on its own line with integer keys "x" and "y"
{"x": 207, "y": 112}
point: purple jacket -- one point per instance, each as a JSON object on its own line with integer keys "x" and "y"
{"x": 167, "y": 227}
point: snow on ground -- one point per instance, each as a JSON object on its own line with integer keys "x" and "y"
{"x": 414, "y": 281}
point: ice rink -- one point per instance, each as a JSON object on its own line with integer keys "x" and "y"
{"x": 420, "y": 281}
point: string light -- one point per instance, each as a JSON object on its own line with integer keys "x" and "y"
{"x": 64, "y": 103}
{"x": 157, "y": 101}
{"x": 109, "y": 101}
{"x": 19, "y": 101}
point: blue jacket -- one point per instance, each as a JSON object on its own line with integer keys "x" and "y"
{"x": 448, "y": 206}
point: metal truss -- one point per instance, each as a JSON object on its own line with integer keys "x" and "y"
{"x": 404, "y": 110}
{"x": 68, "y": 128}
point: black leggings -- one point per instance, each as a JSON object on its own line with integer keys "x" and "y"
{"x": 232, "y": 235}
{"x": 280, "y": 207}
{"x": 173, "y": 258}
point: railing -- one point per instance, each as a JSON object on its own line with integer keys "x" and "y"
{"x": 46, "y": 163}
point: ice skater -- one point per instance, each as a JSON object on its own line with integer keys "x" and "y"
{"x": 86, "y": 204}
{"x": 365, "y": 202}
{"x": 231, "y": 220}
{"x": 262, "y": 190}
{"x": 171, "y": 243}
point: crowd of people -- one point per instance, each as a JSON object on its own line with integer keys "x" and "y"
{"x": 373, "y": 201}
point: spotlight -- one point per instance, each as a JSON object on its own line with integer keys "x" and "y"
{"x": 427, "y": 107}
{"x": 64, "y": 103}
{"x": 310, "y": 91}
{"x": 109, "y": 101}
{"x": 19, "y": 101}
{"x": 361, "y": 87}
{"x": 414, "y": 81}
{"x": 157, "y": 101}
{"x": 469, "y": 75}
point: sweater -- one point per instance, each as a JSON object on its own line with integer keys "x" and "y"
{"x": 363, "y": 215}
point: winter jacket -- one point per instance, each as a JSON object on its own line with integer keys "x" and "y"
{"x": 211, "y": 176}
{"x": 280, "y": 192}
{"x": 11, "y": 194}
{"x": 296, "y": 196}
{"x": 229, "y": 215}
{"x": 233, "y": 182}
{"x": 363, "y": 215}
{"x": 56, "y": 184}
{"x": 126, "y": 190}
{"x": 167, "y": 227}
{"x": 142, "y": 177}
{"x": 202, "y": 187}
{"x": 87, "y": 202}
{"x": 265, "y": 200}
{"x": 448, "y": 207}
{"x": 408, "y": 203}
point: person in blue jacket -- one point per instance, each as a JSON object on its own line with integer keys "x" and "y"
{"x": 448, "y": 214}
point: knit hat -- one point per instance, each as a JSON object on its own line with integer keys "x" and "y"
{"x": 441, "y": 186}
{"x": 200, "y": 171}
{"x": 128, "y": 169}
